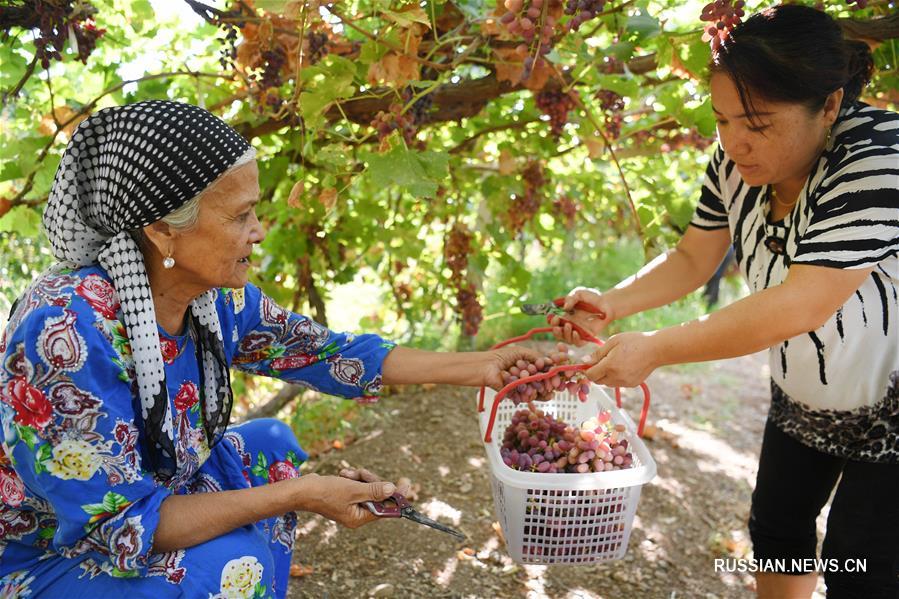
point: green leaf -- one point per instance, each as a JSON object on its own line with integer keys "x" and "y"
{"x": 372, "y": 52}
{"x": 262, "y": 461}
{"x": 10, "y": 171}
{"x": 141, "y": 11}
{"x": 418, "y": 173}
{"x": 327, "y": 81}
{"x": 704, "y": 117}
{"x": 664, "y": 52}
{"x": 620, "y": 84}
{"x": 695, "y": 56}
{"x": 408, "y": 15}
{"x": 46, "y": 532}
{"x": 272, "y": 6}
{"x": 14, "y": 66}
{"x": 22, "y": 220}
{"x": 643, "y": 25}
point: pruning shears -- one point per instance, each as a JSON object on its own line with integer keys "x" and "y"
{"x": 397, "y": 506}
{"x": 554, "y": 308}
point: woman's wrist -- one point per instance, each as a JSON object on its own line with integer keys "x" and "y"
{"x": 295, "y": 494}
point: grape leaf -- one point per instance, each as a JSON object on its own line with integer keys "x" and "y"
{"x": 418, "y": 173}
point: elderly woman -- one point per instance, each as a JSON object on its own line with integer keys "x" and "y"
{"x": 805, "y": 186}
{"x": 119, "y": 473}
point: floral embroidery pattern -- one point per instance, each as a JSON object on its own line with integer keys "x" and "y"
{"x": 241, "y": 578}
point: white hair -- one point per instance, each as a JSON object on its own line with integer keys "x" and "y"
{"x": 185, "y": 216}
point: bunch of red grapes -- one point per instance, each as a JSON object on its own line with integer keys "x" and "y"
{"x": 556, "y": 104}
{"x": 533, "y": 21}
{"x": 58, "y": 22}
{"x": 566, "y": 210}
{"x": 541, "y": 390}
{"x": 456, "y": 250}
{"x": 582, "y": 11}
{"x": 534, "y": 441}
{"x": 393, "y": 119}
{"x": 525, "y": 207}
{"x": 723, "y": 17}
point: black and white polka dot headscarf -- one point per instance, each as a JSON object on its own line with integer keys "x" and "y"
{"x": 125, "y": 168}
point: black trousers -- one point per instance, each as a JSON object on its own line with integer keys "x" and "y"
{"x": 794, "y": 482}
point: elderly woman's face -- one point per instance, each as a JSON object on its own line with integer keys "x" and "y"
{"x": 216, "y": 252}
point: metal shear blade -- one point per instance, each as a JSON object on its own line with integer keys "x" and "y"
{"x": 397, "y": 506}
{"x": 542, "y": 309}
{"x": 415, "y": 516}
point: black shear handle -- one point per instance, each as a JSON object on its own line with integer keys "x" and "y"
{"x": 392, "y": 507}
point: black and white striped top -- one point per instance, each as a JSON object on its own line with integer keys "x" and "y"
{"x": 835, "y": 388}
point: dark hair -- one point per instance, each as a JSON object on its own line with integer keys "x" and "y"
{"x": 793, "y": 53}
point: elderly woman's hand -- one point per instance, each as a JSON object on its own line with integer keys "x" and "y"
{"x": 363, "y": 475}
{"x": 340, "y": 498}
{"x": 625, "y": 360}
{"x": 503, "y": 359}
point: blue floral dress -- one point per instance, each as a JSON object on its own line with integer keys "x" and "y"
{"x": 78, "y": 511}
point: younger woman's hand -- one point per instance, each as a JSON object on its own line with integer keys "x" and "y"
{"x": 625, "y": 360}
{"x": 589, "y": 321}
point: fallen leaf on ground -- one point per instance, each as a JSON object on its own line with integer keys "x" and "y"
{"x": 298, "y": 570}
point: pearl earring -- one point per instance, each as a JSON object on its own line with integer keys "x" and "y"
{"x": 168, "y": 262}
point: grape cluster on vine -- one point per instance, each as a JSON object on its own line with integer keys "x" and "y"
{"x": 274, "y": 60}
{"x": 572, "y": 381}
{"x": 582, "y": 11}
{"x": 318, "y": 46}
{"x": 59, "y": 22}
{"x": 556, "y": 104}
{"x": 534, "y": 441}
{"x": 456, "y": 250}
{"x": 565, "y": 209}
{"x": 533, "y": 21}
{"x": 723, "y": 17}
{"x": 393, "y": 119}
{"x": 611, "y": 104}
{"x": 526, "y": 206}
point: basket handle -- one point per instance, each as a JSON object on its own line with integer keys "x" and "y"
{"x": 644, "y": 412}
{"x": 585, "y": 335}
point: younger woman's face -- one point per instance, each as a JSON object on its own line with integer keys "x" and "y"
{"x": 783, "y": 143}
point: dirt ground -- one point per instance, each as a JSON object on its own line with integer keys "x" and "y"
{"x": 709, "y": 420}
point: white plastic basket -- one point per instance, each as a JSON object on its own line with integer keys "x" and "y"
{"x": 564, "y": 518}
